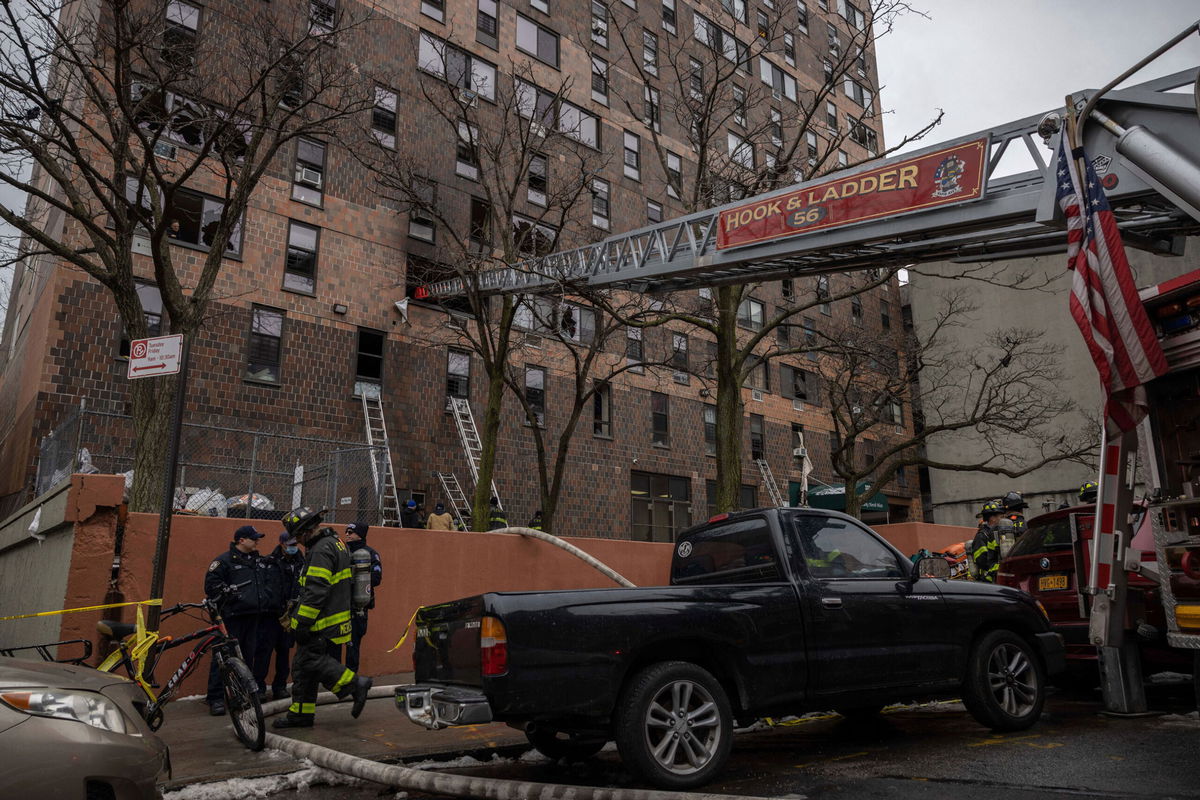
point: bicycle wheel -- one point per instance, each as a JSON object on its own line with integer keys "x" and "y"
{"x": 241, "y": 701}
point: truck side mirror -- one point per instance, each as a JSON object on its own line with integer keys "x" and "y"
{"x": 935, "y": 567}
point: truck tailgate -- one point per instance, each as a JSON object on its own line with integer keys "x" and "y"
{"x": 447, "y": 646}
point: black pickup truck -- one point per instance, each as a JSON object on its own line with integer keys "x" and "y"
{"x": 770, "y": 612}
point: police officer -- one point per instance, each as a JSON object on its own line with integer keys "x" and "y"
{"x": 985, "y": 550}
{"x": 291, "y": 564}
{"x": 249, "y": 612}
{"x": 322, "y": 616}
{"x": 356, "y": 538}
{"x": 496, "y": 518}
{"x": 536, "y": 522}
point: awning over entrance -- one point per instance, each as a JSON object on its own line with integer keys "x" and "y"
{"x": 834, "y": 498}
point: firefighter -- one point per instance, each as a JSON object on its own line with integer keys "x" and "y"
{"x": 536, "y": 522}
{"x": 985, "y": 550}
{"x": 321, "y": 618}
{"x": 1087, "y": 493}
{"x": 1013, "y": 505}
{"x": 496, "y": 518}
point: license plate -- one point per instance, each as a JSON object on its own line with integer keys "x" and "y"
{"x": 1051, "y": 582}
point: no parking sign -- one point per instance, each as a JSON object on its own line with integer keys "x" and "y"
{"x": 159, "y": 355}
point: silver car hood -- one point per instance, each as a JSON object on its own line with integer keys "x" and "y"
{"x": 20, "y": 672}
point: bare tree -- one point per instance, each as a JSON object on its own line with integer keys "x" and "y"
{"x": 588, "y": 335}
{"x": 526, "y": 149}
{"x": 115, "y": 115}
{"x": 751, "y": 127}
{"x": 1003, "y": 396}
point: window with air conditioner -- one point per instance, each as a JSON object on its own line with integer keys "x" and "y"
{"x": 308, "y": 176}
{"x": 600, "y": 23}
{"x": 466, "y": 152}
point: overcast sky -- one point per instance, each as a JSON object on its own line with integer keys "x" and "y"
{"x": 987, "y": 62}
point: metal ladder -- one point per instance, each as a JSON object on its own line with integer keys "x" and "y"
{"x": 769, "y": 481}
{"x": 468, "y": 434}
{"x": 389, "y": 500}
{"x": 460, "y": 506}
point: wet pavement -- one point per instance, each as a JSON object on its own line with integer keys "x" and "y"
{"x": 932, "y": 752}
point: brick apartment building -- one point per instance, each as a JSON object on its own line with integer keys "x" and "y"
{"x": 304, "y": 315}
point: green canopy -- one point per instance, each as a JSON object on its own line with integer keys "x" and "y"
{"x": 834, "y": 497}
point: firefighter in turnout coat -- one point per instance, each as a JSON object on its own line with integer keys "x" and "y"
{"x": 321, "y": 618}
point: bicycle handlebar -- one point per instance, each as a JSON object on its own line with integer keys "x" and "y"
{"x": 225, "y": 590}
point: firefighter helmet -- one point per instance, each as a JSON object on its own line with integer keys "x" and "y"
{"x": 1014, "y": 502}
{"x": 1087, "y": 492}
{"x": 299, "y": 520}
{"x": 991, "y": 508}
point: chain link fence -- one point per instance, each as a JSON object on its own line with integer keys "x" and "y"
{"x": 227, "y": 472}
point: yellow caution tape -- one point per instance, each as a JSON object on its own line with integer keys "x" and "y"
{"x": 407, "y": 629}
{"x": 138, "y": 603}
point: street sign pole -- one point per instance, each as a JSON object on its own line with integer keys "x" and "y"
{"x": 168, "y": 505}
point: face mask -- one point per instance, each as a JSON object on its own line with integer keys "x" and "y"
{"x": 291, "y": 549}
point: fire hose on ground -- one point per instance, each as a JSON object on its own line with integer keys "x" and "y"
{"x": 419, "y": 780}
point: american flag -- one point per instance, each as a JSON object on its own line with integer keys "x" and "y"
{"x": 1104, "y": 300}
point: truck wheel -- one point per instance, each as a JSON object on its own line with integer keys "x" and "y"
{"x": 673, "y": 726}
{"x": 1005, "y": 686}
{"x": 556, "y": 745}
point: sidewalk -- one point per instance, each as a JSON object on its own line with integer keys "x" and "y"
{"x": 203, "y": 748}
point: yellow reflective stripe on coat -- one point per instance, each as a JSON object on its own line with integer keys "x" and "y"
{"x": 338, "y": 577}
{"x": 319, "y": 572}
{"x": 333, "y": 619}
{"x": 308, "y": 612}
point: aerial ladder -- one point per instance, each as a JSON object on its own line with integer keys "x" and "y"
{"x": 1143, "y": 142}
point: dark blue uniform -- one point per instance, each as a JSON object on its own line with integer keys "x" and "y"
{"x": 250, "y": 614}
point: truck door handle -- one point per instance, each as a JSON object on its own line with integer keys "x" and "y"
{"x": 831, "y": 602}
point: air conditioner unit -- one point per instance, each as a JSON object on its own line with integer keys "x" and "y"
{"x": 899, "y": 429}
{"x": 537, "y": 130}
{"x": 599, "y": 28}
{"x": 680, "y": 377}
{"x": 309, "y": 177}
{"x": 800, "y": 452}
{"x": 468, "y": 97}
{"x": 756, "y": 395}
{"x": 797, "y": 405}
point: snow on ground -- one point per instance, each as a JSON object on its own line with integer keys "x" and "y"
{"x": 1191, "y": 720}
{"x": 242, "y": 788}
